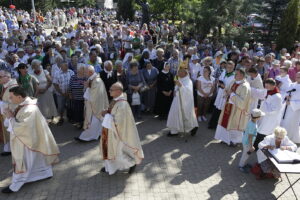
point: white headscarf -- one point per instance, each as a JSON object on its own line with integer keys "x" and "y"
{"x": 127, "y": 56}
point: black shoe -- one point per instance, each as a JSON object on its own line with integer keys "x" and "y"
{"x": 232, "y": 144}
{"x": 131, "y": 169}
{"x": 248, "y": 166}
{"x": 171, "y": 135}
{"x": 194, "y": 131}
{"x": 7, "y": 190}
{"x": 5, "y": 153}
{"x": 79, "y": 126}
{"x": 103, "y": 170}
{"x": 79, "y": 140}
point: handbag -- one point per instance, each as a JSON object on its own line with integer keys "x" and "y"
{"x": 135, "y": 99}
{"x": 144, "y": 88}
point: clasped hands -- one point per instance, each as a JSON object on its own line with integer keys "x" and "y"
{"x": 8, "y": 113}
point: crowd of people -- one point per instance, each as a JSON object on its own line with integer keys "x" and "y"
{"x": 88, "y": 71}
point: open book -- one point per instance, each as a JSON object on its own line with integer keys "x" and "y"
{"x": 285, "y": 156}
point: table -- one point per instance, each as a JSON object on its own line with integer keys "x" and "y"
{"x": 285, "y": 168}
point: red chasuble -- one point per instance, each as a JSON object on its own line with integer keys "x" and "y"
{"x": 228, "y": 108}
{"x": 104, "y": 135}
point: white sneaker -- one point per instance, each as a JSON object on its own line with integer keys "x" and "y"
{"x": 204, "y": 118}
{"x": 199, "y": 119}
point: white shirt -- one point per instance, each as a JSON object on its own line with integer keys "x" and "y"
{"x": 152, "y": 53}
{"x": 128, "y": 45}
{"x": 206, "y": 85}
{"x": 195, "y": 70}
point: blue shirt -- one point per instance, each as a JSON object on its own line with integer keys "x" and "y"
{"x": 251, "y": 129}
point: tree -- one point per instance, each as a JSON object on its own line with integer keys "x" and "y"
{"x": 272, "y": 11}
{"x": 82, "y": 3}
{"x": 126, "y": 10}
{"x": 289, "y": 25}
{"x": 166, "y": 9}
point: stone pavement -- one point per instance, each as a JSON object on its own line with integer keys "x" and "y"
{"x": 172, "y": 169}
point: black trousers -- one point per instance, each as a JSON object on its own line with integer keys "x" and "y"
{"x": 213, "y": 122}
{"x": 259, "y": 138}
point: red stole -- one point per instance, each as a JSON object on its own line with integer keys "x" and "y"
{"x": 272, "y": 92}
{"x": 228, "y": 108}
{"x": 104, "y": 136}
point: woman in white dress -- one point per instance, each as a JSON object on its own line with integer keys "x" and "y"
{"x": 45, "y": 98}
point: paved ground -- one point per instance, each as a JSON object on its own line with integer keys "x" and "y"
{"x": 199, "y": 169}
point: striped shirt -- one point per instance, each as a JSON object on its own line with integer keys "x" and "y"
{"x": 76, "y": 87}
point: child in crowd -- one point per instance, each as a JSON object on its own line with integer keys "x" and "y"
{"x": 249, "y": 138}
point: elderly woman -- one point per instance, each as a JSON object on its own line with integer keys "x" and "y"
{"x": 76, "y": 90}
{"x": 108, "y": 76}
{"x": 159, "y": 62}
{"x": 135, "y": 81}
{"x": 207, "y": 62}
{"x": 121, "y": 74}
{"x": 28, "y": 82}
{"x": 45, "y": 98}
{"x": 55, "y": 67}
{"x": 150, "y": 76}
{"x": 278, "y": 140}
{"x": 127, "y": 59}
{"x": 165, "y": 88}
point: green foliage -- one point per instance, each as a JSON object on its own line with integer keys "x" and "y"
{"x": 83, "y": 3}
{"x": 20, "y": 4}
{"x": 208, "y": 17}
{"x": 289, "y": 25}
{"x": 45, "y": 5}
{"x": 271, "y": 13}
{"x": 167, "y": 9}
{"x": 126, "y": 10}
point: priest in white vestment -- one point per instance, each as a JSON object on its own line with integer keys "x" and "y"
{"x": 272, "y": 107}
{"x": 33, "y": 146}
{"x": 182, "y": 116}
{"x": 255, "y": 82}
{"x": 7, "y": 83}
{"x": 235, "y": 113}
{"x": 225, "y": 79}
{"x": 95, "y": 102}
{"x": 120, "y": 145}
{"x": 291, "y": 113}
